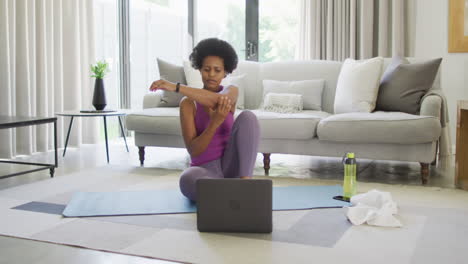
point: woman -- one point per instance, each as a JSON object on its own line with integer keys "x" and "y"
{"x": 219, "y": 146}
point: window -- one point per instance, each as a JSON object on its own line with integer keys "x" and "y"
{"x": 158, "y": 29}
{"x": 223, "y": 19}
{"x": 277, "y": 26}
{"x": 107, "y": 48}
{"x": 278, "y": 29}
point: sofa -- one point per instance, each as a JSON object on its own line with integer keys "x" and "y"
{"x": 378, "y": 135}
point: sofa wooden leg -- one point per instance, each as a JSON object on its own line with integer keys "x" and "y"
{"x": 436, "y": 155}
{"x": 424, "y": 172}
{"x": 266, "y": 162}
{"x": 141, "y": 153}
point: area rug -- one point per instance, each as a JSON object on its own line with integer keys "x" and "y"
{"x": 435, "y": 225}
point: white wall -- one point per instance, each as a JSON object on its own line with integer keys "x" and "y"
{"x": 431, "y": 40}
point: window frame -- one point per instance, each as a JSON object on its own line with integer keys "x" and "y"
{"x": 251, "y": 29}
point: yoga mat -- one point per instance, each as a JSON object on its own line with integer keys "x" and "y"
{"x": 172, "y": 201}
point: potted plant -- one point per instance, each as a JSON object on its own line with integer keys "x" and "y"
{"x": 99, "y": 70}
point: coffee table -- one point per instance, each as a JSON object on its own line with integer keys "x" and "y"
{"x": 72, "y": 114}
{"x": 22, "y": 121}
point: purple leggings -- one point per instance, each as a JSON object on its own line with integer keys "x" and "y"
{"x": 238, "y": 158}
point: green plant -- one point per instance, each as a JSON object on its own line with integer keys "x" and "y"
{"x": 100, "y": 69}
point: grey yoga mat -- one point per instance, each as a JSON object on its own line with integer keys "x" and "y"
{"x": 172, "y": 201}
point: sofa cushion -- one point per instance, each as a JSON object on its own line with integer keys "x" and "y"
{"x": 289, "y": 126}
{"x": 165, "y": 120}
{"x": 252, "y": 91}
{"x": 160, "y": 120}
{"x": 240, "y": 82}
{"x": 192, "y": 75}
{"x": 403, "y": 85}
{"x": 379, "y": 127}
{"x": 172, "y": 73}
{"x": 311, "y": 91}
{"x": 296, "y": 71}
{"x": 358, "y": 85}
{"x": 283, "y": 103}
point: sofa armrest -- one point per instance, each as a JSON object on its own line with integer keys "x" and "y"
{"x": 151, "y": 100}
{"x": 431, "y": 106}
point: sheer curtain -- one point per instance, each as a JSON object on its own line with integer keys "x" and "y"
{"x": 46, "y": 47}
{"x": 358, "y": 29}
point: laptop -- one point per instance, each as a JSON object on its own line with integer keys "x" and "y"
{"x": 234, "y": 205}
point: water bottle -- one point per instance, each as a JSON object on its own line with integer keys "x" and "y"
{"x": 349, "y": 183}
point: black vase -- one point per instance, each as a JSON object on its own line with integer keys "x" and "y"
{"x": 99, "y": 96}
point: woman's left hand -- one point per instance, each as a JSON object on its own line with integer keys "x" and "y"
{"x": 163, "y": 84}
{"x": 219, "y": 114}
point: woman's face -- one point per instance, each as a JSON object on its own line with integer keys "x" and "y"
{"x": 212, "y": 72}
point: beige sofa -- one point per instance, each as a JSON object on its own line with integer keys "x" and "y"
{"x": 378, "y": 135}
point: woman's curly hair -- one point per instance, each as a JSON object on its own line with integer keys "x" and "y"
{"x": 214, "y": 47}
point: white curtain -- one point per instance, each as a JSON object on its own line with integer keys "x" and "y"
{"x": 358, "y": 29}
{"x": 46, "y": 47}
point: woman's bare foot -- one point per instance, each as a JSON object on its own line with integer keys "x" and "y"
{"x": 246, "y": 177}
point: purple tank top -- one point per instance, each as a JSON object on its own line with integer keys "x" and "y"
{"x": 219, "y": 141}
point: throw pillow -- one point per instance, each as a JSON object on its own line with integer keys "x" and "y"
{"x": 396, "y": 61}
{"x": 240, "y": 82}
{"x": 403, "y": 86}
{"x": 283, "y": 103}
{"x": 311, "y": 91}
{"x": 193, "y": 76}
{"x": 172, "y": 73}
{"x": 358, "y": 84}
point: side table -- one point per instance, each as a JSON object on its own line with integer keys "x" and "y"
{"x": 461, "y": 155}
{"x": 22, "y": 121}
{"x": 104, "y": 115}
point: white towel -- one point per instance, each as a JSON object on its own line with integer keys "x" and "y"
{"x": 374, "y": 208}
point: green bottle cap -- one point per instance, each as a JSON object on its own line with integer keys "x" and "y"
{"x": 350, "y": 155}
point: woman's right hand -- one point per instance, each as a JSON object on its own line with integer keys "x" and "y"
{"x": 163, "y": 84}
{"x": 219, "y": 114}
